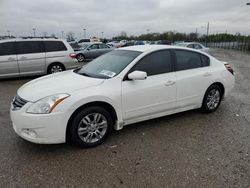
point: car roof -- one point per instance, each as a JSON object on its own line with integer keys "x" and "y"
{"x": 31, "y": 39}
{"x": 151, "y": 48}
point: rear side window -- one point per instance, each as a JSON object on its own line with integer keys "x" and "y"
{"x": 155, "y": 63}
{"x": 27, "y": 47}
{"x": 101, "y": 46}
{"x": 7, "y": 48}
{"x": 205, "y": 60}
{"x": 187, "y": 60}
{"x": 52, "y": 46}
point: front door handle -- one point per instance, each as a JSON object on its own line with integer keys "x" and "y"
{"x": 169, "y": 83}
{"x": 11, "y": 59}
{"x": 207, "y": 74}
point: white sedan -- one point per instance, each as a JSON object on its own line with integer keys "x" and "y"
{"x": 122, "y": 87}
{"x": 194, "y": 45}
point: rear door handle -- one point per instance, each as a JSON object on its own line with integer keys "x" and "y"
{"x": 23, "y": 58}
{"x": 207, "y": 74}
{"x": 169, "y": 83}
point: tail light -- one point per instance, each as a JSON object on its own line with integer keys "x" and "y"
{"x": 229, "y": 68}
{"x": 72, "y": 55}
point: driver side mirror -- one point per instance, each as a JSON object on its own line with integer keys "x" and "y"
{"x": 137, "y": 75}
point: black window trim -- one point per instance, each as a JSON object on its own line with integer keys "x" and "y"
{"x": 41, "y": 45}
{"x": 200, "y": 54}
{"x": 125, "y": 78}
{"x": 15, "y": 48}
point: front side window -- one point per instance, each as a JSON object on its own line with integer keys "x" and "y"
{"x": 7, "y": 48}
{"x": 53, "y": 46}
{"x": 102, "y": 46}
{"x": 27, "y": 47}
{"x": 187, "y": 60}
{"x": 109, "y": 64}
{"x": 155, "y": 63}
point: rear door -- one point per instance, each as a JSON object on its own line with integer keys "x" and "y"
{"x": 31, "y": 57}
{"x": 8, "y": 60}
{"x": 193, "y": 75}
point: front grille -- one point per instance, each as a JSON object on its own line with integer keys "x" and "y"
{"x": 18, "y": 103}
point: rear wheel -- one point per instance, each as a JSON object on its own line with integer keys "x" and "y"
{"x": 90, "y": 127}
{"x": 80, "y": 57}
{"x": 55, "y": 67}
{"x": 212, "y": 99}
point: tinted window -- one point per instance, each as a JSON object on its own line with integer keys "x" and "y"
{"x": 27, "y": 47}
{"x": 52, "y": 46}
{"x": 94, "y": 46}
{"x": 205, "y": 60}
{"x": 103, "y": 46}
{"x": 190, "y": 46}
{"x": 197, "y": 46}
{"x": 7, "y": 48}
{"x": 84, "y": 40}
{"x": 187, "y": 60}
{"x": 155, "y": 63}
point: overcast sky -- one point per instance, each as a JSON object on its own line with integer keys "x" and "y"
{"x": 113, "y": 16}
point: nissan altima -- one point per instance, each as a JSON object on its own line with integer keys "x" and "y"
{"x": 122, "y": 87}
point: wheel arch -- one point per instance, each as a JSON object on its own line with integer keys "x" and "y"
{"x": 222, "y": 87}
{"x": 102, "y": 104}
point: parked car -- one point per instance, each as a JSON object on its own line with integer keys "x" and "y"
{"x": 194, "y": 45}
{"x": 124, "y": 86}
{"x": 90, "y": 51}
{"x": 128, "y": 43}
{"x": 26, "y": 57}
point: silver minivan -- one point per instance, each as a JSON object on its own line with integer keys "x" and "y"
{"x": 26, "y": 57}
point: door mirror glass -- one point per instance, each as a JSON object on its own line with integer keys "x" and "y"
{"x": 137, "y": 75}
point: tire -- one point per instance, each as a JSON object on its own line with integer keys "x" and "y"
{"x": 55, "y": 67}
{"x": 212, "y": 99}
{"x": 90, "y": 127}
{"x": 80, "y": 58}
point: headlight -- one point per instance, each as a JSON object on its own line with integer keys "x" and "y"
{"x": 47, "y": 104}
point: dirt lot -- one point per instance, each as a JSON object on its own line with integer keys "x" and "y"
{"x": 189, "y": 149}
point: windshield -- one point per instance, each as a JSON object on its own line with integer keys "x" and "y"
{"x": 109, "y": 64}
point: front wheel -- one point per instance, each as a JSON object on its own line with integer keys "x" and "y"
{"x": 212, "y": 99}
{"x": 90, "y": 127}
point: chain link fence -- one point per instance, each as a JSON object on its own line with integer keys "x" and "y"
{"x": 237, "y": 45}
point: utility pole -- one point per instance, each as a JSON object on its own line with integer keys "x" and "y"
{"x": 34, "y": 32}
{"x": 207, "y": 33}
{"x": 84, "y": 33}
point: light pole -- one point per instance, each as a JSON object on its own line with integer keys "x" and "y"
{"x": 102, "y": 34}
{"x": 84, "y": 33}
{"x": 148, "y": 31}
{"x": 8, "y": 33}
{"x": 62, "y": 34}
{"x": 34, "y": 32}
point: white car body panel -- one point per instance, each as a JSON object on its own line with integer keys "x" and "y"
{"x": 133, "y": 101}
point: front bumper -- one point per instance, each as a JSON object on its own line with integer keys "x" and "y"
{"x": 40, "y": 128}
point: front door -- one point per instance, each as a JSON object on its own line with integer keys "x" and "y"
{"x": 156, "y": 94}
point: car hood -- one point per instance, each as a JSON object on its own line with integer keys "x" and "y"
{"x": 64, "y": 82}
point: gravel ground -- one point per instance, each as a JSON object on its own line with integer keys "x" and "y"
{"x": 188, "y": 149}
